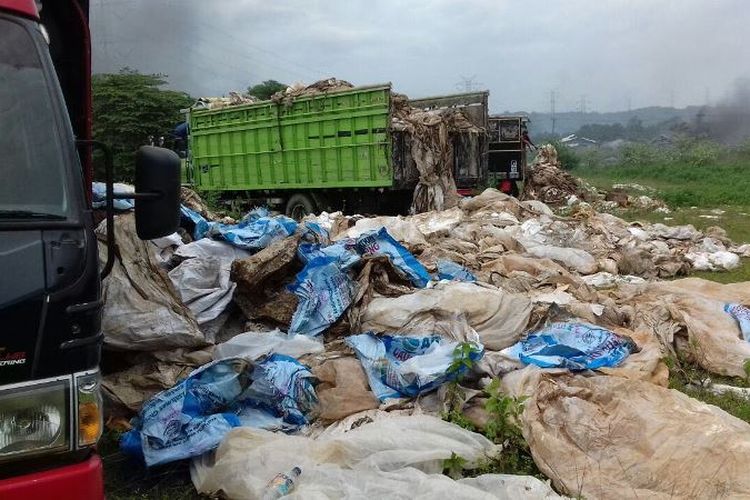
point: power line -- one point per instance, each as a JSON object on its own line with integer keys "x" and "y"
{"x": 552, "y": 109}
{"x": 468, "y": 84}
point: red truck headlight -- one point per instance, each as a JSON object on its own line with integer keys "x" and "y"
{"x": 35, "y": 419}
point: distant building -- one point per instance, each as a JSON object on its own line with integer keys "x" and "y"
{"x": 575, "y": 142}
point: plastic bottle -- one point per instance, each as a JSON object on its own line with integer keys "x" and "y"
{"x": 281, "y": 484}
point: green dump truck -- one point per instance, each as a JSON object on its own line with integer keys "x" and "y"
{"x": 329, "y": 151}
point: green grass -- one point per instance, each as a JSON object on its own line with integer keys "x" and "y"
{"x": 681, "y": 184}
{"x": 126, "y": 479}
{"x": 687, "y": 378}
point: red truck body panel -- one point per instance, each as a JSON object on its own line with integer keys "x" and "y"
{"x": 81, "y": 481}
{"x": 23, "y": 7}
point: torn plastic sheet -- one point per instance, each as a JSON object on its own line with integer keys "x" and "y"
{"x": 742, "y": 315}
{"x": 253, "y": 345}
{"x": 381, "y": 243}
{"x": 576, "y": 346}
{"x": 449, "y": 270}
{"x": 99, "y": 195}
{"x": 254, "y": 232}
{"x": 193, "y": 416}
{"x": 325, "y": 291}
{"x": 409, "y": 366}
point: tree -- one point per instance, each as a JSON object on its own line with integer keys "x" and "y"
{"x": 266, "y": 89}
{"x": 128, "y": 108}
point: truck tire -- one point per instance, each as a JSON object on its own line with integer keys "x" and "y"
{"x": 299, "y": 205}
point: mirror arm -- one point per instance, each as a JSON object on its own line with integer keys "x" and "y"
{"x": 155, "y": 195}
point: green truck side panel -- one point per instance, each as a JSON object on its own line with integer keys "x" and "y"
{"x": 335, "y": 140}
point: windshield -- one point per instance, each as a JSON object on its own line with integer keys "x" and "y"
{"x": 32, "y": 176}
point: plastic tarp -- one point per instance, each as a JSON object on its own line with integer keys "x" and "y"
{"x": 499, "y": 318}
{"x": 408, "y": 366}
{"x": 695, "y": 306}
{"x": 193, "y": 416}
{"x": 576, "y": 346}
{"x": 396, "y": 458}
{"x": 610, "y": 437}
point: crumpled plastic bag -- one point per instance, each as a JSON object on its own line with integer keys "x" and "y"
{"x": 99, "y": 196}
{"x": 576, "y": 346}
{"x": 325, "y": 291}
{"x": 742, "y": 315}
{"x": 343, "y": 251}
{"x": 204, "y": 286}
{"x": 194, "y": 416}
{"x": 499, "y": 318}
{"x": 449, "y": 270}
{"x": 409, "y": 366}
{"x": 254, "y": 232}
{"x": 379, "y": 242}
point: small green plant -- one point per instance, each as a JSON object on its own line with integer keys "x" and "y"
{"x": 462, "y": 361}
{"x": 746, "y": 369}
{"x": 453, "y": 467}
{"x": 505, "y": 412}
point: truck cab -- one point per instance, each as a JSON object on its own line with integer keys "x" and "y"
{"x": 506, "y": 157}
{"x": 50, "y": 278}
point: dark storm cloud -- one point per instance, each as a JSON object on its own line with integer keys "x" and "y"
{"x": 606, "y": 53}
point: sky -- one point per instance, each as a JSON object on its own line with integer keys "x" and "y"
{"x": 594, "y": 55}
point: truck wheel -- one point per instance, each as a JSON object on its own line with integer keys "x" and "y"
{"x": 299, "y": 205}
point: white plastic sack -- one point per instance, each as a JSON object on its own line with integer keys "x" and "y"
{"x": 142, "y": 311}
{"x": 402, "y": 229}
{"x": 395, "y": 458}
{"x": 498, "y": 317}
{"x": 204, "y": 286}
{"x": 206, "y": 247}
{"x": 720, "y": 260}
{"x": 573, "y": 258}
{"x": 253, "y": 345}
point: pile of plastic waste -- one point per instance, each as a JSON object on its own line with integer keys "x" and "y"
{"x": 316, "y": 358}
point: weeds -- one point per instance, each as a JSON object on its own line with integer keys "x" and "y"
{"x": 503, "y": 427}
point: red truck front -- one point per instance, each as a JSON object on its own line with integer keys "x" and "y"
{"x": 50, "y": 278}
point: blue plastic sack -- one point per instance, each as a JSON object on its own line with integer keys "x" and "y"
{"x": 283, "y": 387}
{"x": 576, "y": 346}
{"x": 194, "y": 416}
{"x": 449, "y": 270}
{"x": 379, "y": 242}
{"x": 408, "y": 366}
{"x": 255, "y": 231}
{"x": 342, "y": 251}
{"x": 199, "y": 223}
{"x": 99, "y": 196}
{"x": 741, "y": 314}
{"x": 312, "y": 232}
{"x": 325, "y": 291}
